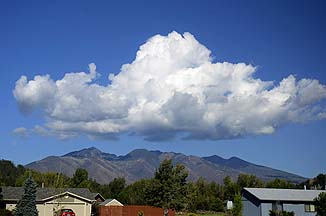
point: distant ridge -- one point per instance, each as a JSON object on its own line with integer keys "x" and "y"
{"x": 141, "y": 163}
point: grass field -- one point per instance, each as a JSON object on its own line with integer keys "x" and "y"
{"x": 205, "y": 214}
{"x": 218, "y": 214}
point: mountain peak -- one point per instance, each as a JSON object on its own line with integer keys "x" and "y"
{"x": 93, "y": 149}
{"x": 141, "y": 153}
{"x": 215, "y": 159}
{"x": 86, "y": 152}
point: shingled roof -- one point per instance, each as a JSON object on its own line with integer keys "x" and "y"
{"x": 15, "y": 193}
{"x": 283, "y": 194}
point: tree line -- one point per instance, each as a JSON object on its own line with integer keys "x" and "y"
{"x": 168, "y": 188}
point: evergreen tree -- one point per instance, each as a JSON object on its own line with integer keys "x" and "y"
{"x": 27, "y": 204}
{"x": 168, "y": 188}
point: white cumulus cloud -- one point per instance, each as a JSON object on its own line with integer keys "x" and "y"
{"x": 172, "y": 88}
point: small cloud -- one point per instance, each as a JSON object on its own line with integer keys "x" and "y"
{"x": 61, "y": 135}
{"x": 41, "y": 131}
{"x": 21, "y": 132}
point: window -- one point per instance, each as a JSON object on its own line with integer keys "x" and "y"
{"x": 309, "y": 208}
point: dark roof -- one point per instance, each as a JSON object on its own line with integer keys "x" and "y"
{"x": 15, "y": 193}
{"x": 106, "y": 202}
{"x": 283, "y": 194}
{"x": 97, "y": 195}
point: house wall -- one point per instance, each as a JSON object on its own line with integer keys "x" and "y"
{"x": 80, "y": 207}
{"x": 265, "y": 208}
{"x": 40, "y": 208}
{"x": 249, "y": 208}
{"x": 114, "y": 203}
{"x": 298, "y": 209}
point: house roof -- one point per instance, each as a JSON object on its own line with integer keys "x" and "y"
{"x": 107, "y": 201}
{"x": 98, "y": 195}
{"x": 283, "y": 194}
{"x": 15, "y": 193}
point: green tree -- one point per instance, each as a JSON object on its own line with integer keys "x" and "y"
{"x": 56, "y": 180}
{"x": 216, "y": 204}
{"x": 168, "y": 188}
{"x": 318, "y": 182}
{"x": 280, "y": 183}
{"x": 191, "y": 198}
{"x": 116, "y": 186}
{"x": 320, "y": 204}
{"x": 80, "y": 178}
{"x": 9, "y": 173}
{"x": 245, "y": 180}
{"x": 27, "y": 204}
{"x": 238, "y": 206}
{"x": 231, "y": 188}
{"x": 113, "y": 189}
{"x": 321, "y": 181}
{"x": 135, "y": 194}
{"x": 202, "y": 195}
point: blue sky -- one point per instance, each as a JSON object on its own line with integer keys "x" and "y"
{"x": 279, "y": 38}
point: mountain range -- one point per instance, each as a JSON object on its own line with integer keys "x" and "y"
{"x": 141, "y": 163}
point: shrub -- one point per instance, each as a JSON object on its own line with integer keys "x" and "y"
{"x": 280, "y": 213}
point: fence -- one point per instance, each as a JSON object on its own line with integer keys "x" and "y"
{"x": 132, "y": 210}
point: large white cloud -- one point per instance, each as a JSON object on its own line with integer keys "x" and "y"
{"x": 172, "y": 87}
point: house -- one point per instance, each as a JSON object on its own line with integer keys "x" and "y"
{"x": 50, "y": 200}
{"x": 259, "y": 201}
{"x": 111, "y": 202}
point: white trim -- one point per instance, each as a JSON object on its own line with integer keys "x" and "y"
{"x": 67, "y": 192}
{"x": 113, "y": 200}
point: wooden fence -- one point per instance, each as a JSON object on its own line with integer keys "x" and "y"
{"x": 132, "y": 210}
